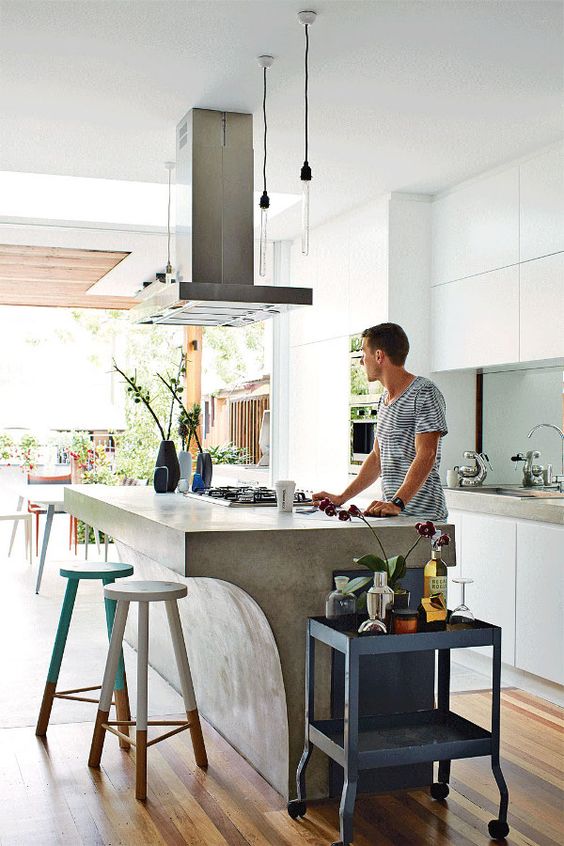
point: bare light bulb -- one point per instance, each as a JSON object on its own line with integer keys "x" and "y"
{"x": 305, "y": 177}
{"x": 264, "y": 206}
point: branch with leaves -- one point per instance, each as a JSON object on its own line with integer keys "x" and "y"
{"x": 188, "y": 420}
{"x": 141, "y": 394}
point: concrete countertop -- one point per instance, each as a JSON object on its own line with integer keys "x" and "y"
{"x": 188, "y": 515}
{"x": 543, "y": 507}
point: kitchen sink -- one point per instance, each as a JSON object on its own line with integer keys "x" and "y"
{"x": 518, "y": 493}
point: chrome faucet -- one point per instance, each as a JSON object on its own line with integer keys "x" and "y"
{"x": 560, "y": 478}
{"x": 473, "y": 475}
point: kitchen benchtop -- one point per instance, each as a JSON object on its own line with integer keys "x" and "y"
{"x": 545, "y": 506}
{"x": 181, "y": 527}
{"x": 187, "y": 514}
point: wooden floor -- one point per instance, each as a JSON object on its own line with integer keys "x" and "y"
{"x": 49, "y": 796}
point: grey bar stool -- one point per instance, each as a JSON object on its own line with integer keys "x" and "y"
{"x": 144, "y": 593}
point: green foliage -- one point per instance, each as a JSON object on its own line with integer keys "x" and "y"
{"x": 100, "y": 470}
{"x": 395, "y": 567}
{"x": 7, "y": 447}
{"x": 359, "y": 382}
{"x": 27, "y": 451}
{"x": 229, "y": 454}
{"x": 230, "y": 347}
{"x": 188, "y": 422}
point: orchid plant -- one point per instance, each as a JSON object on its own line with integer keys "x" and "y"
{"x": 395, "y": 566}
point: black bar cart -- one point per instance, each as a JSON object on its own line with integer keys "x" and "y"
{"x": 367, "y": 742}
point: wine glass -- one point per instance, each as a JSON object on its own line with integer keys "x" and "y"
{"x": 462, "y": 617}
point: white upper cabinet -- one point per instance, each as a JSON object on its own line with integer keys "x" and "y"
{"x": 542, "y": 308}
{"x": 475, "y": 322}
{"x": 476, "y": 227}
{"x": 542, "y": 204}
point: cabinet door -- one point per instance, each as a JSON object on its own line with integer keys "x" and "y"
{"x": 488, "y": 557}
{"x": 542, "y": 204}
{"x": 476, "y": 227}
{"x": 540, "y": 600}
{"x": 476, "y": 321}
{"x": 542, "y": 308}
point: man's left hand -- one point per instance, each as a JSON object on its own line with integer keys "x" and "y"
{"x": 382, "y": 509}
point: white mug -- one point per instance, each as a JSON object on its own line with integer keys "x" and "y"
{"x": 285, "y": 494}
{"x": 452, "y": 479}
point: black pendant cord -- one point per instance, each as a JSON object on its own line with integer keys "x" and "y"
{"x": 306, "y": 92}
{"x": 264, "y": 200}
{"x": 168, "y": 221}
{"x": 305, "y": 174}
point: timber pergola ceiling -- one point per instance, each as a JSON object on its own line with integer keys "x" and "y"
{"x": 57, "y": 277}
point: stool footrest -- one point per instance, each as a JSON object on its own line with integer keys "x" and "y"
{"x": 78, "y": 690}
{"x": 179, "y": 725}
{"x": 122, "y": 736}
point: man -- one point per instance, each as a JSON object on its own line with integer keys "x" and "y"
{"x": 407, "y": 447}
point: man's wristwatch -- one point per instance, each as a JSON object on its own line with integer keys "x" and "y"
{"x": 399, "y": 502}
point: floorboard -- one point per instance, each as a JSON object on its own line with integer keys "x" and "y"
{"x": 49, "y": 796}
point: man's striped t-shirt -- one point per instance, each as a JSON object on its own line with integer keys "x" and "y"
{"x": 421, "y": 408}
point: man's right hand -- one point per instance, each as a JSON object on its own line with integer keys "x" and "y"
{"x": 336, "y": 499}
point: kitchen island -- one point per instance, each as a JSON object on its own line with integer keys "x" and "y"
{"x": 254, "y": 576}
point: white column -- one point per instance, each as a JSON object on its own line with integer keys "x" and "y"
{"x": 279, "y": 388}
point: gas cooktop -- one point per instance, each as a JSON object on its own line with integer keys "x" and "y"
{"x": 245, "y": 495}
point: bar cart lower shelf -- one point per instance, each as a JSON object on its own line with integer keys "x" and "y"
{"x": 358, "y": 743}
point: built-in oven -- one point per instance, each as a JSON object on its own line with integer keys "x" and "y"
{"x": 363, "y": 407}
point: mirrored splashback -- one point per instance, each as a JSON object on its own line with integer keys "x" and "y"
{"x": 514, "y": 401}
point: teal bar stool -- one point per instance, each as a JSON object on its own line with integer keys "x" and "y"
{"x": 107, "y": 574}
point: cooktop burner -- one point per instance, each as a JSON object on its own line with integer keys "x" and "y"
{"x": 245, "y": 495}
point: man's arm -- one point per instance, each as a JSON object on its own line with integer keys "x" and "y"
{"x": 369, "y": 471}
{"x": 426, "y": 444}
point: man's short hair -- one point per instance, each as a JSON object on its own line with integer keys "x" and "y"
{"x": 390, "y": 338}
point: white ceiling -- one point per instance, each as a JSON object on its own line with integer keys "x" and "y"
{"x": 408, "y": 96}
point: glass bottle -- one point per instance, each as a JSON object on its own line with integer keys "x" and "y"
{"x": 340, "y": 606}
{"x": 379, "y": 601}
{"x": 435, "y": 575}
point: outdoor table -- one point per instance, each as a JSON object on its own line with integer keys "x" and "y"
{"x": 51, "y": 496}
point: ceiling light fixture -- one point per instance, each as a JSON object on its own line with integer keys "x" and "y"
{"x": 265, "y": 62}
{"x": 306, "y": 19}
{"x": 169, "y": 271}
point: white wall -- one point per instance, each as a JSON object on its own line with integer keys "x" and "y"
{"x": 514, "y": 402}
{"x": 347, "y": 269}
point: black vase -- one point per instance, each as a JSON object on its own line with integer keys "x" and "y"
{"x": 167, "y": 457}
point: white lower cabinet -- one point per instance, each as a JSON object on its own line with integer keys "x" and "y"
{"x": 488, "y": 557}
{"x": 540, "y": 600}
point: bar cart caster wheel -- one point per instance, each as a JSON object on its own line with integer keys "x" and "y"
{"x": 440, "y": 791}
{"x": 498, "y": 830}
{"x": 296, "y": 809}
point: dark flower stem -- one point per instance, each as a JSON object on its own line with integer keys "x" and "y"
{"x": 139, "y": 394}
{"x": 366, "y": 523}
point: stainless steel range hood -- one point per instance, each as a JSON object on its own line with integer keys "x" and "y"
{"x": 215, "y": 232}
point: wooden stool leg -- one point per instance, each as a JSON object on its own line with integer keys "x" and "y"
{"x": 56, "y": 657}
{"x": 186, "y": 683}
{"x": 121, "y": 696}
{"x": 142, "y": 685}
{"x": 108, "y": 683}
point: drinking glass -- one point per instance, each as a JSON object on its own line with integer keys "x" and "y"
{"x": 462, "y": 617}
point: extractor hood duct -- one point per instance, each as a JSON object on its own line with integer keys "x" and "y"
{"x": 215, "y": 232}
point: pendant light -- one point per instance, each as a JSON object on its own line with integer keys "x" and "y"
{"x": 265, "y": 62}
{"x": 306, "y": 19}
{"x": 169, "y": 273}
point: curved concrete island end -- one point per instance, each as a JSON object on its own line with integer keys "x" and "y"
{"x": 254, "y": 576}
